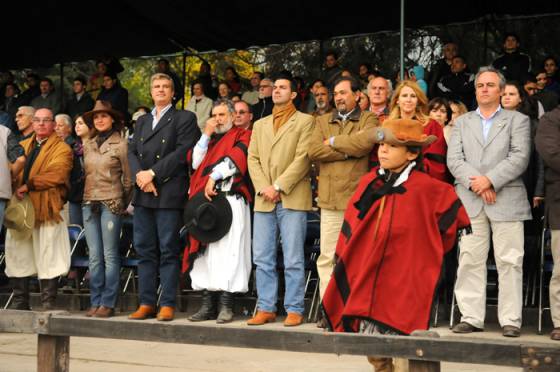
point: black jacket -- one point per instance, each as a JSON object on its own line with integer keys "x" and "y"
{"x": 262, "y": 108}
{"x": 164, "y": 150}
{"x": 118, "y": 96}
{"x": 514, "y": 66}
{"x": 458, "y": 86}
{"x": 75, "y": 107}
{"x": 440, "y": 70}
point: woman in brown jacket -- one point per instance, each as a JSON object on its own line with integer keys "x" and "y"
{"x": 106, "y": 194}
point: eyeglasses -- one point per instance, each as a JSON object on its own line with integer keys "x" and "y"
{"x": 20, "y": 115}
{"x": 44, "y": 121}
{"x": 241, "y": 112}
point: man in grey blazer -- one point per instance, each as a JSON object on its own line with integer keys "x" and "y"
{"x": 488, "y": 151}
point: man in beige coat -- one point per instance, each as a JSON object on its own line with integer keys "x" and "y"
{"x": 279, "y": 168}
{"x": 341, "y": 149}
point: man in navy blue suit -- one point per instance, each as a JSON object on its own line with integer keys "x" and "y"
{"x": 157, "y": 157}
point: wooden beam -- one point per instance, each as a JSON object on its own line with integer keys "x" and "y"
{"x": 448, "y": 349}
{"x": 423, "y": 366}
{"x": 417, "y": 365}
{"x": 53, "y": 354}
{"x": 423, "y": 352}
{"x": 17, "y": 321}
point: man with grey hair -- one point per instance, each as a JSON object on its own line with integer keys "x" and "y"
{"x": 264, "y": 106}
{"x": 156, "y": 157}
{"x": 43, "y": 249}
{"x": 323, "y": 99}
{"x": 24, "y": 121}
{"x": 488, "y": 152}
{"x": 379, "y": 93}
{"x": 219, "y": 160}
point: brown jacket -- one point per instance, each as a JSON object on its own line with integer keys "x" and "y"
{"x": 281, "y": 159}
{"x": 106, "y": 170}
{"x": 49, "y": 178}
{"x": 547, "y": 141}
{"x": 342, "y": 164}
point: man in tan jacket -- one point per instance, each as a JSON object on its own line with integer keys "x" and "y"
{"x": 45, "y": 178}
{"x": 279, "y": 168}
{"x": 340, "y": 148}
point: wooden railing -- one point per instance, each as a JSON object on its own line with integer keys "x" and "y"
{"x": 424, "y": 350}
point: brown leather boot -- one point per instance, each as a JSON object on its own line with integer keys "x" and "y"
{"x": 166, "y": 313}
{"x": 381, "y": 364}
{"x": 91, "y": 311}
{"x": 143, "y": 312}
{"x": 104, "y": 312}
{"x": 293, "y": 319}
{"x": 261, "y": 318}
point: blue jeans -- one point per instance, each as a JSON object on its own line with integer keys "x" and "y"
{"x": 293, "y": 226}
{"x": 3, "y": 203}
{"x": 103, "y": 230}
{"x": 75, "y": 214}
{"x": 155, "y": 228}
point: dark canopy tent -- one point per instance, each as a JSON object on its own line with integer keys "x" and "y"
{"x": 40, "y": 34}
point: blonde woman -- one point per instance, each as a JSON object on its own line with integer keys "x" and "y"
{"x": 409, "y": 102}
{"x": 458, "y": 108}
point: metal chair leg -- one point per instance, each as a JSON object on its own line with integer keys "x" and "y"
{"x": 452, "y": 313}
{"x": 436, "y": 312}
{"x": 9, "y": 300}
{"x": 541, "y": 274}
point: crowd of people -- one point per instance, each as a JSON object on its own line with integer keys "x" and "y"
{"x": 402, "y": 181}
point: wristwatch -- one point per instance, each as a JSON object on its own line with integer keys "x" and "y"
{"x": 277, "y": 188}
{"x": 152, "y": 173}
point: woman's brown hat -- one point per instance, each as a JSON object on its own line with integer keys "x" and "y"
{"x": 403, "y": 132}
{"x": 104, "y": 106}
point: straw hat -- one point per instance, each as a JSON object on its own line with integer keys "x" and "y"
{"x": 19, "y": 217}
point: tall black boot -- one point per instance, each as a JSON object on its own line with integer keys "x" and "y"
{"x": 49, "y": 289}
{"x": 208, "y": 309}
{"x": 226, "y": 308}
{"x": 20, "y": 300}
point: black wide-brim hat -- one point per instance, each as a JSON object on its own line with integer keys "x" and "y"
{"x": 208, "y": 221}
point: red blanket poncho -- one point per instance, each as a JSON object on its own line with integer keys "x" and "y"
{"x": 391, "y": 278}
{"x": 233, "y": 145}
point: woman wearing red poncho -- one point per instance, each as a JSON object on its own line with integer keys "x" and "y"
{"x": 398, "y": 225}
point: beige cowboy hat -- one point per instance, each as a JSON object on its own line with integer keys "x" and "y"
{"x": 403, "y": 132}
{"x": 19, "y": 217}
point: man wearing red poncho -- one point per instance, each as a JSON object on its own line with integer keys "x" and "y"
{"x": 221, "y": 268}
